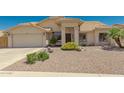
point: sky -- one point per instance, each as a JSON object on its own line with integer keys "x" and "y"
{"x": 10, "y": 21}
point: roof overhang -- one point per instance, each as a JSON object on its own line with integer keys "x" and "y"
{"x": 29, "y": 25}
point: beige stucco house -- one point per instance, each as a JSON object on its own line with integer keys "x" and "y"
{"x": 38, "y": 34}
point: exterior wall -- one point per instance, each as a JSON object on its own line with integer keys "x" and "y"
{"x": 97, "y": 37}
{"x": 69, "y": 24}
{"x": 10, "y": 41}
{"x": 63, "y": 35}
{"x": 76, "y": 35}
{"x": 76, "y": 31}
{"x": 44, "y": 39}
{"x": 3, "y": 42}
{"x": 90, "y": 38}
{"x": 93, "y": 38}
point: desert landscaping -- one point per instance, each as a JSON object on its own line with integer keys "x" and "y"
{"x": 92, "y": 59}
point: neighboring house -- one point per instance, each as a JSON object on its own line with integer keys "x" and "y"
{"x": 121, "y": 26}
{"x": 38, "y": 34}
{"x": 3, "y": 40}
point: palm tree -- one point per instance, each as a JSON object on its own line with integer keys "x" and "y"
{"x": 116, "y": 34}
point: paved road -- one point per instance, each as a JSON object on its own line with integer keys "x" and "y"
{"x": 9, "y": 56}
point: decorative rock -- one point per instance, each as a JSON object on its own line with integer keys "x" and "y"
{"x": 50, "y": 50}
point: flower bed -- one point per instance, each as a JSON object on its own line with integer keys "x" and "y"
{"x": 70, "y": 46}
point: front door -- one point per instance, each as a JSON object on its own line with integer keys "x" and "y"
{"x": 68, "y": 37}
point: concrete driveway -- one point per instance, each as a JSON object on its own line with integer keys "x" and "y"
{"x": 9, "y": 56}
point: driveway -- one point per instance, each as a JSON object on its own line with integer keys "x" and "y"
{"x": 9, "y": 56}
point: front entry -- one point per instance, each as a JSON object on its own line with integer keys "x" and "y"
{"x": 68, "y": 37}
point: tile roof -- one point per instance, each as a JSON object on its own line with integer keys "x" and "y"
{"x": 92, "y": 25}
{"x": 32, "y": 24}
{"x": 118, "y": 25}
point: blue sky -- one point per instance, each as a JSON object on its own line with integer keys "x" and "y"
{"x": 9, "y": 21}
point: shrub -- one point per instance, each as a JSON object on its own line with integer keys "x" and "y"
{"x": 45, "y": 56}
{"x": 31, "y": 58}
{"x": 53, "y": 40}
{"x": 69, "y": 46}
{"x": 40, "y": 56}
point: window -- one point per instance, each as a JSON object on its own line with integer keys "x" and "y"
{"x": 57, "y": 35}
{"x": 102, "y": 37}
{"x": 82, "y": 37}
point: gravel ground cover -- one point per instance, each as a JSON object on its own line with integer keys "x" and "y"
{"x": 90, "y": 60}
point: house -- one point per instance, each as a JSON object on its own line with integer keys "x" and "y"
{"x": 3, "y": 40}
{"x": 38, "y": 34}
{"x": 121, "y": 26}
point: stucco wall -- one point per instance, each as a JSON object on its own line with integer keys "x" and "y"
{"x": 3, "y": 42}
{"x": 90, "y": 38}
{"x": 93, "y": 37}
{"x": 10, "y": 41}
{"x": 69, "y": 24}
{"x": 97, "y": 36}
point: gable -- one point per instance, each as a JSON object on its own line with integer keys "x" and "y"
{"x": 49, "y": 23}
{"x": 92, "y": 25}
{"x": 24, "y": 29}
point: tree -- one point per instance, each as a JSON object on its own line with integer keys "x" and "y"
{"x": 116, "y": 34}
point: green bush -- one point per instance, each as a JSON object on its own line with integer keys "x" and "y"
{"x": 31, "y": 58}
{"x": 53, "y": 40}
{"x": 40, "y": 56}
{"x": 45, "y": 56}
{"x": 69, "y": 46}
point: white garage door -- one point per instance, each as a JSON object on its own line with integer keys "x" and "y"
{"x": 28, "y": 40}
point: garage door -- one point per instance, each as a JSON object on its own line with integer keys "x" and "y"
{"x": 28, "y": 40}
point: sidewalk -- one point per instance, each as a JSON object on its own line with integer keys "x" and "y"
{"x": 51, "y": 74}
